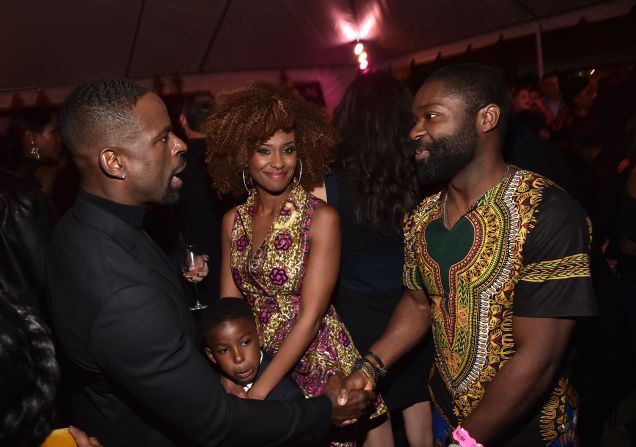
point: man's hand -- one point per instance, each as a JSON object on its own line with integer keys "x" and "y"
{"x": 82, "y": 439}
{"x": 347, "y": 405}
{"x": 357, "y": 380}
{"x": 199, "y": 269}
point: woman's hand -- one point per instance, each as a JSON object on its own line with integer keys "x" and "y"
{"x": 198, "y": 270}
{"x": 233, "y": 388}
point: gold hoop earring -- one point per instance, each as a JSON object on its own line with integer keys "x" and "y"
{"x": 249, "y": 190}
{"x": 300, "y": 174}
{"x": 35, "y": 150}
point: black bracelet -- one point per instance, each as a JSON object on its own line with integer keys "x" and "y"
{"x": 382, "y": 369}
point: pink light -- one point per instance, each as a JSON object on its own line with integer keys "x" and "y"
{"x": 358, "y": 49}
{"x": 362, "y": 57}
{"x": 348, "y": 31}
{"x": 367, "y": 27}
{"x": 364, "y": 64}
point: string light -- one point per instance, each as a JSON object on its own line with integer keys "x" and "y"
{"x": 363, "y": 57}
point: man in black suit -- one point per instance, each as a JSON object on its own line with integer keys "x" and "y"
{"x": 117, "y": 306}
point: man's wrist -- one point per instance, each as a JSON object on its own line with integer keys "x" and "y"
{"x": 376, "y": 362}
{"x": 368, "y": 370}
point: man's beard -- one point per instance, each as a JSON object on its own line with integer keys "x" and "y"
{"x": 447, "y": 155}
{"x": 170, "y": 195}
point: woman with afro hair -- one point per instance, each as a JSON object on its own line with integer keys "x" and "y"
{"x": 280, "y": 248}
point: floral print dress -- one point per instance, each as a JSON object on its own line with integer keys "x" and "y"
{"x": 271, "y": 278}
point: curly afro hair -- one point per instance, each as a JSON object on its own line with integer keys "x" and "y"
{"x": 248, "y": 116}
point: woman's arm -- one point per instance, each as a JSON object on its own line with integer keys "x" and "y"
{"x": 323, "y": 266}
{"x": 228, "y": 288}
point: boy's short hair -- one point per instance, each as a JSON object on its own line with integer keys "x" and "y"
{"x": 222, "y": 310}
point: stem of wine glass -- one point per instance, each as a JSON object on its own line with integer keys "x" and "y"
{"x": 196, "y": 293}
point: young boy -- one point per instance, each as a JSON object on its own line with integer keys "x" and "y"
{"x": 229, "y": 331}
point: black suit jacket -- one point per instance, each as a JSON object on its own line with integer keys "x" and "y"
{"x": 287, "y": 388}
{"x": 120, "y": 315}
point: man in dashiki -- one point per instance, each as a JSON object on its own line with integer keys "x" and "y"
{"x": 497, "y": 265}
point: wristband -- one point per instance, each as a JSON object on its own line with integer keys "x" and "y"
{"x": 464, "y": 439}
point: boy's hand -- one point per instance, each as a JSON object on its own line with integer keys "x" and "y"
{"x": 233, "y": 388}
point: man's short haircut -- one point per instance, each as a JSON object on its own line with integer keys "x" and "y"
{"x": 222, "y": 310}
{"x": 478, "y": 85}
{"x": 196, "y": 108}
{"x": 28, "y": 375}
{"x": 97, "y": 113}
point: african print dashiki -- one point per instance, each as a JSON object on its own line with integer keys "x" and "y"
{"x": 520, "y": 250}
{"x": 271, "y": 277}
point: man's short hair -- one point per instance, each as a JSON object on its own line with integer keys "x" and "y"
{"x": 196, "y": 108}
{"x": 478, "y": 85}
{"x": 97, "y": 113}
{"x": 222, "y": 310}
{"x": 28, "y": 375}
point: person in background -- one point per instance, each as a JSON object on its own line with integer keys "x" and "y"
{"x": 231, "y": 343}
{"x": 281, "y": 245}
{"x": 578, "y": 97}
{"x": 374, "y": 184}
{"x": 523, "y": 101}
{"x": 29, "y": 375}
{"x": 32, "y": 148}
{"x": 199, "y": 211}
{"x": 551, "y": 88}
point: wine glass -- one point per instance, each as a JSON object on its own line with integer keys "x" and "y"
{"x": 188, "y": 259}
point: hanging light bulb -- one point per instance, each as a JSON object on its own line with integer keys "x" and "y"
{"x": 362, "y": 56}
{"x": 358, "y": 48}
{"x": 364, "y": 64}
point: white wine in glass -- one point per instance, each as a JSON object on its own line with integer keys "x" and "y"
{"x": 187, "y": 260}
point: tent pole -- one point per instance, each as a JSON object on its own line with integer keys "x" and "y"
{"x": 539, "y": 45}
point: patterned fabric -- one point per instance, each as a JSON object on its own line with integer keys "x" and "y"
{"x": 271, "y": 278}
{"x": 497, "y": 276}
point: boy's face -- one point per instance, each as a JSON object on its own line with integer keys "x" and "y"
{"x": 233, "y": 345}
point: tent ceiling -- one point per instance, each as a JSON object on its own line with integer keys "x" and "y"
{"x": 63, "y": 43}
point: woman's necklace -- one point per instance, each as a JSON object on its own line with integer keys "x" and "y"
{"x": 444, "y": 209}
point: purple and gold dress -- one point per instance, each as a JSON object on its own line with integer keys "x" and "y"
{"x": 270, "y": 277}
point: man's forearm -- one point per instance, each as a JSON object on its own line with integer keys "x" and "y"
{"x": 511, "y": 394}
{"x": 410, "y": 321}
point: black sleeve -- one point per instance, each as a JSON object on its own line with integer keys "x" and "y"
{"x": 555, "y": 277}
{"x": 138, "y": 342}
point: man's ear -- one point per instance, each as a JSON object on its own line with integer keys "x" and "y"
{"x": 488, "y": 118}
{"x": 110, "y": 163}
{"x": 208, "y": 352}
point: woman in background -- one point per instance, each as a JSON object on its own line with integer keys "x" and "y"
{"x": 373, "y": 186}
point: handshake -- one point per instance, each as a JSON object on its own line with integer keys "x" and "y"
{"x": 350, "y": 397}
